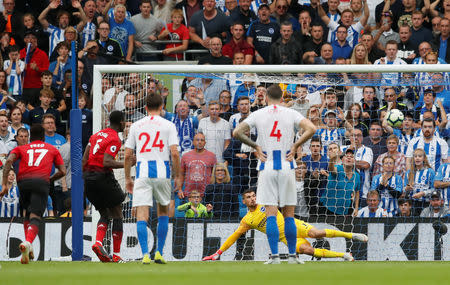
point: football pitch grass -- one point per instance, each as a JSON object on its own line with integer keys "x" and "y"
{"x": 233, "y": 273}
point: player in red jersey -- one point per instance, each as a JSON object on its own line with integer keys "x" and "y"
{"x": 33, "y": 180}
{"x": 101, "y": 188}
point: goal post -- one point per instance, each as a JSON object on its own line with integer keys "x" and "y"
{"x": 194, "y": 238}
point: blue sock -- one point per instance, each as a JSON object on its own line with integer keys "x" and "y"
{"x": 273, "y": 234}
{"x": 163, "y": 226}
{"x": 290, "y": 230}
{"x": 142, "y": 236}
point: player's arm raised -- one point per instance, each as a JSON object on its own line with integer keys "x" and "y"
{"x": 8, "y": 163}
{"x": 243, "y": 228}
{"x": 309, "y": 129}
{"x": 240, "y": 134}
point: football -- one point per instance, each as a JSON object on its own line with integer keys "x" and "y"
{"x": 395, "y": 118}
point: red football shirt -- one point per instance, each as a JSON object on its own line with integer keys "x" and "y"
{"x": 104, "y": 141}
{"x": 36, "y": 160}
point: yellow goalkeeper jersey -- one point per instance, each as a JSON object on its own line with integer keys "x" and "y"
{"x": 257, "y": 220}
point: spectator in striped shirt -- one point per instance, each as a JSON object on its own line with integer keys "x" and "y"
{"x": 373, "y": 208}
{"x": 63, "y": 17}
{"x": 389, "y": 185}
{"x": 9, "y": 203}
{"x": 88, "y": 28}
{"x": 442, "y": 182}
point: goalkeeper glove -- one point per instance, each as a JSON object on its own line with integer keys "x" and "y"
{"x": 213, "y": 257}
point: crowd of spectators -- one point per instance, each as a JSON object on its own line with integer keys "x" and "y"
{"x": 357, "y": 164}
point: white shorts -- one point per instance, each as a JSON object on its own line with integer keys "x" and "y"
{"x": 276, "y": 188}
{"x": 145, "y": 188}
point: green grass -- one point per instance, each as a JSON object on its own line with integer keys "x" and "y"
{"x": 211, "y": 273}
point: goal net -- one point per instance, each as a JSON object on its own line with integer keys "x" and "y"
{"x": 375, "y": 185}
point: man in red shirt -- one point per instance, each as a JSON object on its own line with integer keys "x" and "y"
{"x": 36, "y": 61}
{"x": 238, "y": 44}
{"x": 33, "y": 180}
{"x": 196, "y": 167}
{"x": 100, "y": 186}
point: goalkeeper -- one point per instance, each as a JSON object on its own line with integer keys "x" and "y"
{"x": 256, "y": 219}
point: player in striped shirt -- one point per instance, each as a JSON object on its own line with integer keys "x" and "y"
{"x": 276, "y": 126}
{"x": 373, "y": 208}
{"x": 435, "y": 148}
{"x": 389, "y": 185}
{"x": 419, "y": 181}
{"x": 155, "y": 141}
{"x": 442, "y": 182}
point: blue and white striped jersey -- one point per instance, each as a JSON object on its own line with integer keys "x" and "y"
{"x": 276, "y": 126}
{"x": 443, "y": 175}
{"x": 152, "y": 137}
{"x": 9, "y": 205}
{"x": 88, "y": 33}
{"x": 352, "y": 32}
{"x": 56, "y": 36}
{"x": 390, "y": 78}
{"x": 379, "y": 213}
{"x": 387, "y": 202}
{"x": 14, "y": 81}
{"x": 363, "y": 153}
{"x": 403, "y": 140}
{"x": 436, "y": 150}
{"x": 328, "y": 136}
{"x": 423, "y": 182}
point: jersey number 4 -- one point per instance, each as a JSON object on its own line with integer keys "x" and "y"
{"x": 32, "y": 153}
{"x": 155, "y": 143}
{"x": 275, "y": 133}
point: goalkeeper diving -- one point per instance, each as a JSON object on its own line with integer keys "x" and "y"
{"x": 256, "y": 219}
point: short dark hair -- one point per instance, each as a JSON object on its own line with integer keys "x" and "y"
{"x": 13, "y": 48}
{"x": 378, "y": 123}
{"x": 316, "y": 139}
{"x": 274, "y": 92}
{"x": 37, "y": 132}
{"x": 243, "y": 98}
{"x": 154, "y": 101}
{"x": 116, "y": 117}
{"x": 249, "y": 190}
{"x": 46, "y": 73}
{"x": 402, "y": 201}
{"x": 429, "y": 120}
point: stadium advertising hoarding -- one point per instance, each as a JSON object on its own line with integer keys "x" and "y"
{"x": 389, "y": 239}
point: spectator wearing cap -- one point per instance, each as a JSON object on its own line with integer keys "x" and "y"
{"x": 238, "y": 44}
{"x": 440, "y": 43}
{"x": 331, "y": 132}
{"x": 442, "y": 182}
{"x": 286, "y": 50}
{"x": 436, "y": 209}
{"x": 262, "y": 33}
{"x": 343, "y": 183}
{"x": 243, "y": 14}
{"x": 36, "y": 61}
{"x": 385, "y": 33}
